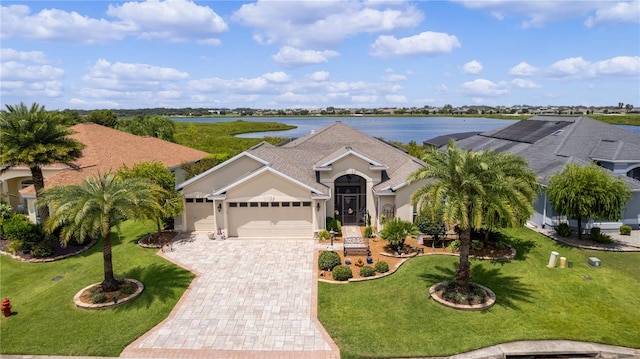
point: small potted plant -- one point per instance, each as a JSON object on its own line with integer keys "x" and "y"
{"x": 324, "y": 235}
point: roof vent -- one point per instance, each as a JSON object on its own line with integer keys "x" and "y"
{"x": 556, "y": 133}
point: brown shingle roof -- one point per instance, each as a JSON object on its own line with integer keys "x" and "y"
{"x": 108, "y": 149}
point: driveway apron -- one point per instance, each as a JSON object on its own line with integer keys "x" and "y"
{"x": 251, "y": 298}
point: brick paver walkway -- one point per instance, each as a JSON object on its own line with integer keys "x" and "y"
{"x": 252, "y": 298}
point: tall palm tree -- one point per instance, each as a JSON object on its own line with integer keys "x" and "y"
{"x": 472, "y": 190}
{"x": 35, "y": 137}
{"x": 92, "y": 208}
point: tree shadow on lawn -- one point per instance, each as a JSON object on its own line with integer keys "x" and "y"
{"x": 509, "y": 290}
{"x": 160, "y": 281}
{"x": 523, "y": 246}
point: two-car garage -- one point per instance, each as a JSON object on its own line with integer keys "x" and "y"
{"x": 270, "y": 219}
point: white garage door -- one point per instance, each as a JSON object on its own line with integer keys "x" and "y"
{"x": 200, "y": 215}
{"x": 270, "y": 219}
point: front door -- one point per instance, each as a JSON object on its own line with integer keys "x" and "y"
{"x": 350, "y": 206}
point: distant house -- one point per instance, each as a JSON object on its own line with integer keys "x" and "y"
{"x": 550, "y": 142}
{"x": 105, "y": 150}
{"x": 290, "y": 189}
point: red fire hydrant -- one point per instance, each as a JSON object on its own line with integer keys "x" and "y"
{"x": 6, "y": 307}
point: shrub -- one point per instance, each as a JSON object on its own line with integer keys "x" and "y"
{"x": 563, "y": 229}
{"x": 324, "y": 235}
{"x": 98, "y": 298}
{"x": 127, "y": 289}
{"x": 333, "y": 224}
{"x": 625, "y": 230}
{"x": 341, "y": 273}
{"x": 368, "y": 232}
{"x": 432, "y": 226}
{"x": 14, "y": 246}
{"x": 327, "y": 260}
{"x": 367, "y": 271}
{"x": 597, "y": 236}
{"x": 41, "y": 250}
{"x": 382, "y": 267}
{"x": 18, "y": 227}
{"x": 477, "y": 245}
{"x": 500, "y": 246}
{"x": 454, "y": 246}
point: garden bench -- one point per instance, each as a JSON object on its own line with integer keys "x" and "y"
{"x": 356, "y": 244}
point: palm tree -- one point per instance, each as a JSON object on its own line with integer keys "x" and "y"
{"x": 35, "y": 137}
{"x": 396, "y": 231}
{"x": 92, "y": 208}
{"x": 472, "y": 190}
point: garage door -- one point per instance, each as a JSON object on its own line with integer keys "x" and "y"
{"x": 200, "y": 215}
{"x": 270, "y": 219}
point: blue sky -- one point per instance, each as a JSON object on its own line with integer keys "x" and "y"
{"x": 315, "y": 54}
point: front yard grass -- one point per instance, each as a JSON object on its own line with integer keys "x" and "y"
{"x": 46, "y": 321}
{"x": 395, "y": 317}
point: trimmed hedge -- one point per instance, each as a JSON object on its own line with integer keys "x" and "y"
{"x": 382, "y": 267}
{"x": 367, "y": 271}
{"x": 342, "y": 273}
{"x": 327, "y": 260}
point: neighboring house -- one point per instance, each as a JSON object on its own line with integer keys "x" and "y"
{"x": 550, "y": 142}
{"x": 290, "y": 189}
{"x": 106, "y": 150}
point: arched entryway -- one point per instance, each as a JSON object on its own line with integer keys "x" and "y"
{"x": 350, "y": 200}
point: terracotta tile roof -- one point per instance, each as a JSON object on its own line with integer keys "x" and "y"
{"x": 108, "y": 149}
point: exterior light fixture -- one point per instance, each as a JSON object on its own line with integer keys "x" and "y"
{"x": 318, "y": 206}
{"x": 219, "y": 207}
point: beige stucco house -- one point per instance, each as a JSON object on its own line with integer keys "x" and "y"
{"x": 290, "y": 189}
{"x": 106, "y": 150}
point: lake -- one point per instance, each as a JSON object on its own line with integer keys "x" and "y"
{"x": 401, "y": 129}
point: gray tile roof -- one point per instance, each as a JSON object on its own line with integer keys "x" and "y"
{"x": 298, "y": 157}
{"x": 579, "y": 140}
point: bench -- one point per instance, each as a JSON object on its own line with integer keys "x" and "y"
{"x": 355, "y": 244}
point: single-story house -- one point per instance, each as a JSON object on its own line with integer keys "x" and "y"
{"x": 288, "y": 190}
{"x": 551, "y": 142}
{"x": 106, "y": 150}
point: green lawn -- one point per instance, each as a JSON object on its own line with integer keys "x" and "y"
{"x": 46, "y": 320}
{"x": 394, "y": 316}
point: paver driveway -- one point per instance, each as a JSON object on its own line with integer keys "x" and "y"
{"x": 251, "y": 298}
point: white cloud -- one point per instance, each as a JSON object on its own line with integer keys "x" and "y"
{"x": 305, "y": 24}
{"x": 615, "y": 13}
{"x": 525, "y": 84}
{"x": 523, "y": 69}
{"x": 176, "y": 20}
{"x": 472, "y": 67}
{"x": 122, "y": 76}
{"x": 394, "y": 78}
{"x": 318, "y": 76}
{"x": 621, "y": 65}
{"x": 279, "y": 77}
{"x": 425, "y": 43}
{"x": 291, "y": 57}
{"x": 483, "y": 87}
{"x": 536, "y": 13}
{"x": 32, "y": 56}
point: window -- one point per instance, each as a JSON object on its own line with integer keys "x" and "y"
{"x": 306, "y": 204}
{"x": 253, "y": 204}
{"x": 233, "y": 204}
{"x": 189, "y": 200}
{"x": 295, "y": 204}
{"x": 275, "y": 204}
{"x": 199, "y": 200}
{"x": 243, "y": 204}
{"x": 264, "y": 204}
{"x": 286, "y": 204}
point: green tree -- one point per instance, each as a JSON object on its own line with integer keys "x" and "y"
{"x": 587, "y": 191}
{"x": 154, "y": 126}
{"x": 34, "y": 137}
{"x": 170, "y": 200}
{"x": 396, "y": 231}
{"x": 91, "y": 209}
{"x": 462, "y": 185}
{"x": 102, "y": 117}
